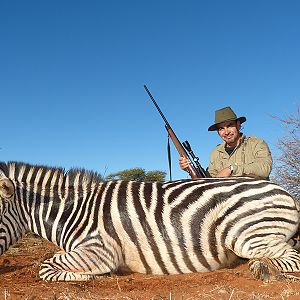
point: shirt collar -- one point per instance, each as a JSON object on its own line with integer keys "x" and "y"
{"x": 221, "y": 147}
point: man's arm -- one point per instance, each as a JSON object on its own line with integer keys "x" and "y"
{"x": 259, "y": 162}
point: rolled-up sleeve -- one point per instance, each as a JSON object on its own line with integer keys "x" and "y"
{"x": 260, "y": 162}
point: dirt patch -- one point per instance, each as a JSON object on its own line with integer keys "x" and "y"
{"x": 19, "y": 280}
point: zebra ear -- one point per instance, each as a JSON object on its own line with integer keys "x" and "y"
{"x": 7, "y": 188}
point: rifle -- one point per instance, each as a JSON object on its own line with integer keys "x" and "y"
{"x": 194, "y": 171}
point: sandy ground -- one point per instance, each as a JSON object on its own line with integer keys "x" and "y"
{"x": 19, "y": 280}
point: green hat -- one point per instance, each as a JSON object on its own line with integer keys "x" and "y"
{"x": 223, "y": 115}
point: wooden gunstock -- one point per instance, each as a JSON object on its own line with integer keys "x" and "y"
{"x": 190, "y": 169}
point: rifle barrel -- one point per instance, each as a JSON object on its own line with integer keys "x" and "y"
{"x": 157, "y": 107}
{"x": 192, "y": 170}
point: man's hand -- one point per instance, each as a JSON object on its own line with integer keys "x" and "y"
{"x": 224, "y": 173}
{"x": 184, "y": 163}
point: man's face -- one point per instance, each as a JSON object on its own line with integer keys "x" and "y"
{"x": 229, "y": 132}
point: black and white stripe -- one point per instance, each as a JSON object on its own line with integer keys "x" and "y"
{"x": 155, "y": 228}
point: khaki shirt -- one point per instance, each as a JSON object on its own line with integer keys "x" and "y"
{"x": 252, "y": 157}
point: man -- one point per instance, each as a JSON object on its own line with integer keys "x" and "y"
{"x": 237, "y": 155}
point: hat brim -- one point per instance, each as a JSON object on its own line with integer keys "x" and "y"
{"x": 214, "y": 127}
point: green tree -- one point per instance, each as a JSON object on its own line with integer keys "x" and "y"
{"x": 138, "y": 174}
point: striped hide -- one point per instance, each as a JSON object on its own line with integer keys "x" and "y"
{"x": 155, "y": 228}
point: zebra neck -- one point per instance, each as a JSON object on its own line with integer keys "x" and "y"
{"x": 15, "y": 226}
{"x": 52, "y": 199}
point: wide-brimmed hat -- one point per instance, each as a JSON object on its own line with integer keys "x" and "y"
{"x": 223, "y": 115}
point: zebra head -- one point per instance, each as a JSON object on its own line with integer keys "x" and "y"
{"x": 8, "y": 226}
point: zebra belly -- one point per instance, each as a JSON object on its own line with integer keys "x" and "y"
{"x": 149, "y": 262}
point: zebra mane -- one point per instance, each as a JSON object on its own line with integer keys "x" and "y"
{"x": 12, "y": 170}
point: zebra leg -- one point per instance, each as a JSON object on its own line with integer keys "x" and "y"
{"x": 80, "y": 264}
{"x": 264, "y": 268}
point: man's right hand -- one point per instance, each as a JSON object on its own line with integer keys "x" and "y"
{"x": 184, "y": 163}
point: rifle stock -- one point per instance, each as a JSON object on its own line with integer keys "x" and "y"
{"x": 191, "y": 169}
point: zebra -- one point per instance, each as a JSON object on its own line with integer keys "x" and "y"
{"x": 174, "y": 227}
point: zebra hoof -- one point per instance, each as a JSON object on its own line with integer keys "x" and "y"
{"x": 263, "y": 269}
{"x": 260, "y": 270}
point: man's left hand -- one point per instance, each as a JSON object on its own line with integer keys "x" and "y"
{"x": 224, "y": 173}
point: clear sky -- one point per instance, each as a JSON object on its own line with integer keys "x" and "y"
{"x": 72, "y": 76}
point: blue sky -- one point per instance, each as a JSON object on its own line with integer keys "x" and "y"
{"x": 72, "y": 76}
